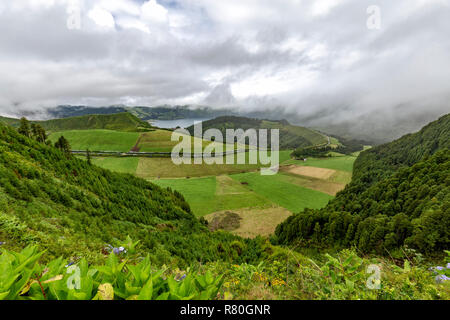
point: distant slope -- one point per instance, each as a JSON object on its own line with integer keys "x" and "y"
{"x": 68, "y": 111}
{"x": 174, "y": 112}
{"x": 399, "y": 194}
{"x": 9, "y": 121}
{"x": 164, "y": 112}
{"x": 119, "y": 121}
{"x": 290, "y": 136}
{"x": 74, "y": 209}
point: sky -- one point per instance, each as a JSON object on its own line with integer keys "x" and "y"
{"x": 323, "y": 61}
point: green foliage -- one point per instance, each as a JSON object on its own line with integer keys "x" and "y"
{"x": 342, "y": 276}
{"x": 399, "y": 195}
{"x": 23, "y": 278}
{"x": 312, "y": 152}
{"x": 24, "y": 128}
{"x": 63, "y": 145}
{"x": 72, "y": 208}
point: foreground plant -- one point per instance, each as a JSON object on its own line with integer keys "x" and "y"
{"x": 23, "y": 278}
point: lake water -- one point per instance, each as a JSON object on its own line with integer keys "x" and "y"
{"x": 170, "y": 124}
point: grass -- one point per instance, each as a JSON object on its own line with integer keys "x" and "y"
{"x": 120, "y": 121}
{"x": 161, "y": 141}
{"x": 253, "y": 221}
{"x": 150, "y": 168}
{"x": 282, "y": 192}
{"x": 122, "y": 165}
{"x": 325, "y": 186}
{"x": 98, "y": 140}
{"x": 344, "y": 163}
{"x": 212, "y": 194}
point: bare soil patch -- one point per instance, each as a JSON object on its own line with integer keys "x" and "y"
{"x": 319, "y": 173}
{"x": 253, "y": 222}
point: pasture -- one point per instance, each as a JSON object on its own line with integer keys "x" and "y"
{"x": 283, "y": 192}
{"x": 342, "y": 163}
{"x": 122, "y": 165}
{"x": 212, "y": 194}
{"x": 151, "y": 168}
{"x": 98, "y": 139}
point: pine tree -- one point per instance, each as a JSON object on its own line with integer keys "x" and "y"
{"x": 88, "y": 157}
{"x": 63, "y": 145}
{"x": 24, "y": 127}
{"x": 38, "y": 132}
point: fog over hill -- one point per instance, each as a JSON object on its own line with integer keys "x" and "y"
{"x": 317, "y": 63}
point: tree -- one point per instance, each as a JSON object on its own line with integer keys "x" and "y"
{"x": 38, "y": 132}
{"x": 88, "y": 157}
{"x": 63, "y": 145}
{"x": 24, "y": 128}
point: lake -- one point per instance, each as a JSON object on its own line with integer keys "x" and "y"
{"x": 170, "y": 124}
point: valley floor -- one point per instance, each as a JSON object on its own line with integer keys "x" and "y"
{"x": 261, "y": 202}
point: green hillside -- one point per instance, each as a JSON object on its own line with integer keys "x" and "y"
{"x": 66, "y": 212}
{"x": 399, "y": 195}
{"x": 73, "y": 209}
{"x": 119, "y": 121}
{"x": 291, "y": 137}
{"x": 9, "y": 121}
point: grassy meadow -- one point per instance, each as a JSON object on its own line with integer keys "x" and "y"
{"x": 282, "y": 192}
{"x": 98, "y": 140}
{"x": 212, "y": 194}
{"x": 121, "y": 165}
{"x": 341, "y": 163}
{"x": 151, "y": 168}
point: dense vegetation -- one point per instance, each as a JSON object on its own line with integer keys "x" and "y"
{"x": 291, "y": 137}
{"x": 72, "y": 208}
{"x": 84, "y": 214}
{"x": 124, "y": 274}
{"x": 318, "y": 152}
{"x": 399, "y": 195}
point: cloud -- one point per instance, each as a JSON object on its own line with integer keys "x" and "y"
{"x": 102, "y": 17}
{"x": 315, "y": 61}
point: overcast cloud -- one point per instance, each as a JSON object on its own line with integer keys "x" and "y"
{"x": 313, "y": 59}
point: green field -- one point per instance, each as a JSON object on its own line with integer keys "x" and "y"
{"x": 98, "y": 140}
{"x": 151, "y": 168}
{"x": 343, "y": 163}
{"x": 161, "y": 141}
{"x": 280, "y": 191}
{"x": 122, "y": 165}
{"x": 212, "y": 194}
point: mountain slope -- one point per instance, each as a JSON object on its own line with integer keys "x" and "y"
{"x": 72, "y": 208}
{"x": 119, "y": 121}
{"x": 10, "y": 121}
{"x": 290, "y": 136}
{"x": 399, "y": 194}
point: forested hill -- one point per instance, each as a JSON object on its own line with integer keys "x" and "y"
{"x": 119, "y": 121}
{"x": 74, "y": 209}
{"x": 399, "y": 195}
{"x": 291, "y": 137}
{"x": 381, "y": 161}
